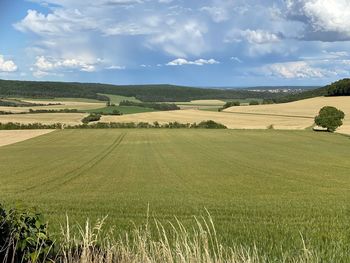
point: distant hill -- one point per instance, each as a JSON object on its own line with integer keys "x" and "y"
{"x": 163, "y": 92}
{"x": 338, "y": 88}
{"x": 147, "y": 93}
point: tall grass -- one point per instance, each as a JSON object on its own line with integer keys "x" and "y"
{"x": 173, "y": 243}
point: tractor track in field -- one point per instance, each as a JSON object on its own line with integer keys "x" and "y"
{"x": 78, "y": 171}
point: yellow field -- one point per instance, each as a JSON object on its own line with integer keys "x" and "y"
{"x": 295, "y": 115}
{"x": 232, "y": 121}
{"x": 64, "y": 105}
{"x": 304, "y": 108}
{"x": 44, "y": 118}
{"x": 10, "y": 137}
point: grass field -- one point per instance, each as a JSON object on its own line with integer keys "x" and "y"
{"x": 123, "y": 109}
{"x": 266, "y": 188}
{"x": 116, "y": 99}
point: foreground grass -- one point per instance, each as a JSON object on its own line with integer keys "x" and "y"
{"x": 271, "y": 190}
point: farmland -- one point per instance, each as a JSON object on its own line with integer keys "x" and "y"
{"x": 263, "y": 187}
{"x": 295, "y": 115}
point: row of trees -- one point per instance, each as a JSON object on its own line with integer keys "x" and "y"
{"x": 156, "y": 106}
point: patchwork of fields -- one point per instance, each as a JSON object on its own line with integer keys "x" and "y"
{"x": 263, "y": 187}
{"x": 297, "y": 115}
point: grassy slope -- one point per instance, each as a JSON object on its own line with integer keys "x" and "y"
{"x": 116, "y": 99}
{"x": 266, "y": 187}
{"x": 123, "y": 109}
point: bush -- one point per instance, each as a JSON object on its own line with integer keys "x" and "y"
{"x": 330, "y": 118}
{"x": 21, "y": 234}
{"x": 210, "y": 125}
{"x": 230, "y": 104}
{"x": 254, "y": 102}
{"x": 92, "y": 117}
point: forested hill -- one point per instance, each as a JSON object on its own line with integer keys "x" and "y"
{"x": 147, "y": 93}
{"x": 157, "y": 93}
{"x": 338, "y": 88}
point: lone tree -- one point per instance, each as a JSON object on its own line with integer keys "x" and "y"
{"x": 330, "y": 118}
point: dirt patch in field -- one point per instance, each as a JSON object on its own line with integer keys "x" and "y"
{"x": 10, "y": 137}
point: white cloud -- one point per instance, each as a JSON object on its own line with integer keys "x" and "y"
{"x": 114, "y": 67}
{"x": 253, "y": 36}
{"x": 198, "y": 62}
{"x": 51, "y": 66}
{"x": 323, "y": 16}
{"x": 7, "y": 65}
{"x": 295, "y": 69}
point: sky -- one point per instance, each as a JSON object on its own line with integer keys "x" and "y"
{"x": 221, "y": 43}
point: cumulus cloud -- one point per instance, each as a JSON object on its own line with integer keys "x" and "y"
{"x": 253, "y": 36}
{"x": 198, "y": 62}
{"x": 326, "y": 20}
{"x": 7, "y": 65}
{"x": 296, "y": 69}
{"x": 50, "y": 66}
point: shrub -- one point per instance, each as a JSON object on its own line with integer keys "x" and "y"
{"x": 254, "y": 102}
{"x": 21, "y": 234}
{"x": 330, "y": 118}
{"x": 92, "y": 117}
{"x": 210, "y": 125}
{"x": 231, "y": 104}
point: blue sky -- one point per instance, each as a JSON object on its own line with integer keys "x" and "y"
{"x": 186, "y": 42}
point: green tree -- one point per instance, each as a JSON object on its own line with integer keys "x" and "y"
{"x": 330, "y": 118}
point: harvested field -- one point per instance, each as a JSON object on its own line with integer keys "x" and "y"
{"x": 65, "y": 104}
{"x": 308, "y": 107}
{"x": 10, "y": 137}
{"x": 232, "y": 121}
{"x": 44, "y": 118}
{"x": 302, "y": 108}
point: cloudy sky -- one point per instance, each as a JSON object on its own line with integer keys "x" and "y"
{"x": 188, "y": 42}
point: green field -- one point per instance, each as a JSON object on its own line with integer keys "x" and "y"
{"x": 266, "y": 188}
{"x": 116, "y": 99}
{"x": 123, "y": 109}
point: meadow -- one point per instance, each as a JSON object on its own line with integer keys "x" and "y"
{"x": 276, "y": 190}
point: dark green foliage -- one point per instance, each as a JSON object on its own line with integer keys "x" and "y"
{"x": 156, "y": 106}
{"x": 254, "y": 102}
{"x": 6, "y": 112}
{"x": 339, "y": 88}
{"x": 267, "y": 101}
{"x": 106, "y": 112}
{"x": 22, "y": 232}
{"x": 147, "y": 93}
{"x": 92, "y": 117}
{"x": 230, "y": 104}
{"x": 211, "y": 125}
{"x": 330, "y": 118}
{"x": 54, "y": 111}
{"x": 30, "y": 126}
{"x": 19, "y": 103}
